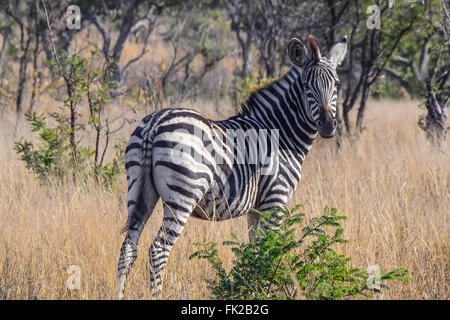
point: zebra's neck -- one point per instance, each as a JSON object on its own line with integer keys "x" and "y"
{"x": 282, "y": 105}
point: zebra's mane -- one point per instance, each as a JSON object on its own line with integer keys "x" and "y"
{"x": 250, "y": 105}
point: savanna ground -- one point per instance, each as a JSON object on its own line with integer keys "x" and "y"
{"x": 393, "y": 188}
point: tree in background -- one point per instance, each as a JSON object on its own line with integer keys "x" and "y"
{"x": 17, "y": 11}
{"x": 421, "y": 65}
{"x": 127, "y": 16}
{"x": 192, "y": 31}
{"x": 370, "y": 49}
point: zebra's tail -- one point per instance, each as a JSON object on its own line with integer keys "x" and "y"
{"x": 142, "y": 195}
{"x": 138, "y": 166}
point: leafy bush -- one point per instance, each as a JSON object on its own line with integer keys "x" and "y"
{"x": 111, "y": 170}
{"x": 59, "y": 153}
{"x": 282, "y": 266}
{"x": 51, "y": 157}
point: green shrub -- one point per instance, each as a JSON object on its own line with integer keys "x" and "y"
{"x": 58, "y": 152}
{"x": 281, "y": 265}
{"x": 111, "y": 170}
{"x": 51, "y": 157}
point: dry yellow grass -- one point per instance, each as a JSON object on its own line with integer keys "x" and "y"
{"x": 395, "y": 192}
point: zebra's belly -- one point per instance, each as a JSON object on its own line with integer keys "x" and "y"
{"x": 211, "y": 210}
{"x": 217, "y": 204}
{"x": 214, "y": 210}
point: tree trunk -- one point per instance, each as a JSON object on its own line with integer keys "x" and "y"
{"x": 339, "y": 131}
{"x": 24, "y": 46}
{"x": 36, "y": 74}
{"x": 127, "y": 23}
{"x": 436, "y": 119}
{"x": 3, "y": 50}
{"x": 245, "y": 47}
{"x": 22, "y": 77}
{"x": 362, "y": 107}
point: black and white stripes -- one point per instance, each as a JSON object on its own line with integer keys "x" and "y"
{"x": 208, "y": 169}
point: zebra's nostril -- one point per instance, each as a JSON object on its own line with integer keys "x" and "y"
{"x": 335, "y": 123}
{"x": 319, "y": 124}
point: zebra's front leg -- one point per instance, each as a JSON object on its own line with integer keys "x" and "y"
{"x": 172, "y": 226}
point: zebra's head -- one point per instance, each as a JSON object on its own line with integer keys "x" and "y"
{"x": 320, "y": 80}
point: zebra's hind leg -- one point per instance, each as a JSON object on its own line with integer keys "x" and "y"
{"x": 175, "y": 218}
{"x": 142, "y": 199}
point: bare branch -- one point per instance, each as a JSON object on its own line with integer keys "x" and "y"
{"x": 55, "y": 55}
{"x": 395, "y": 75}
{"x": 101, "y": 28}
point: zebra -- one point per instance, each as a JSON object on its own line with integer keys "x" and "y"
{"x": 294, "y": 108}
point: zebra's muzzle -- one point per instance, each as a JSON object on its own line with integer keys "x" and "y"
{"x": 326, "y": 124}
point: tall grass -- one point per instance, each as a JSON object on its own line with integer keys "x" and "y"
{"x": 394, "y": 190}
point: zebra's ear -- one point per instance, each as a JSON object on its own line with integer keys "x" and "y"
{"x": 297, "y": 52}
{"x": 337, "y": 53}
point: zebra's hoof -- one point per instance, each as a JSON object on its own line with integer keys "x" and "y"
{"x": 156, "y": 291}
{"x": 121, "y": 287}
